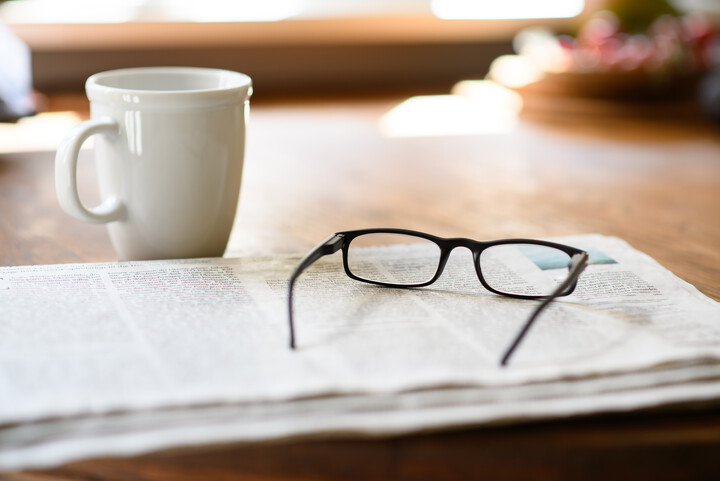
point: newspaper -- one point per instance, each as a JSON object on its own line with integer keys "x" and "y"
{"x": 125, "y": 358}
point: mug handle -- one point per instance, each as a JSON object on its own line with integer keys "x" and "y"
{"x": 112, "y": 208}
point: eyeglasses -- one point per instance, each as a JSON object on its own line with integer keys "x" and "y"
{"x": 518, "y": 268}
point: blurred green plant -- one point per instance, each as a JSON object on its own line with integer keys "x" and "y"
{"x": 636, "y": 16}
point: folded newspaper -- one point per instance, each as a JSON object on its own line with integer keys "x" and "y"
{"x": 122, "y": 359}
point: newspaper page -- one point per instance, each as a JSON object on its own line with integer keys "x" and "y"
{"x": 54, "y": 441}
{"x": 146, "y": 344}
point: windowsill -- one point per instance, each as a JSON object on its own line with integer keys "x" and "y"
{"x": 301, "y": 32}
{"x": 290, "y": 56}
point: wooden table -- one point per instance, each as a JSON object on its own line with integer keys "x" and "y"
{"x": 316, "y": 167}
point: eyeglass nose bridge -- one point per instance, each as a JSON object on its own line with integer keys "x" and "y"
{"x": 447, "y": 248}
{"x": 476, "y": 248}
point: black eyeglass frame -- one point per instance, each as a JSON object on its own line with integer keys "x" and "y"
{"x": 342, "y": 240}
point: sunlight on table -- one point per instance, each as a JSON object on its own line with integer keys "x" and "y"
{"x": 42, "y": 132}
{"x": 473, "y": 107}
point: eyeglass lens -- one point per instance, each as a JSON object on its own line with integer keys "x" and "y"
{"x": 516, "y": 269}
{"x": 413, "y": 266}
{"x": 524, "y": 269}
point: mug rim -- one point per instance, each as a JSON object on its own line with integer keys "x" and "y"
{"x": 238, "y": 89}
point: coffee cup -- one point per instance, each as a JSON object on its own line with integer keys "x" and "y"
{"x": 169, "y": 148}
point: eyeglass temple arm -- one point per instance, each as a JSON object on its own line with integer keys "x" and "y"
{"x": 578, "y": 262}
{"x": 329, "y": 246}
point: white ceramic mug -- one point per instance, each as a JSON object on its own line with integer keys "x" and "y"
{"x": 169, "y": 146}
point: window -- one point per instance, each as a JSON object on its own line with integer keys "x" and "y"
{"x": 282, "y": 44}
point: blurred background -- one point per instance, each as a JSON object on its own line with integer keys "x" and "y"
{"x": 541, "y": 50}
{"x": 287, "y": 46}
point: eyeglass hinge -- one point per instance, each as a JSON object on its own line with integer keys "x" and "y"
{"x": 334, "y": 244}
{"x": 579, "y": 259}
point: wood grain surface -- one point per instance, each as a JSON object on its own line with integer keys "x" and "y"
{"x": 315, "y": 167}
